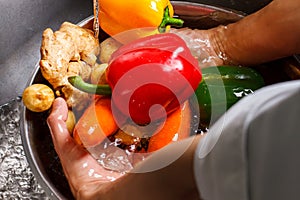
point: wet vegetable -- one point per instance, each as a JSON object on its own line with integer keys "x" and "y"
{"x": 71, "y": 121}
{"x": 148, "y": 72}
{"x": 96, "y": 123}
{"x": 123, "y": 15}
{"x": 98, "y": 74}
{"x": 223, "y": 86}
{"x": 107, "y": 47}
{"x": 177, "y": 127}
{"x": 38, "y": 97}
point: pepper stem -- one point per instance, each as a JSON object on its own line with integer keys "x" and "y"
{"x": 78, "y": 83}
{"x": 167, "y": 20}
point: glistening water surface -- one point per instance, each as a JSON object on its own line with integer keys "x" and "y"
{"x": 16, "y": 179}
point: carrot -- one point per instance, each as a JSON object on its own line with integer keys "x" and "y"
{"x": 96, "y": 123}
{"x": 176, "y": 127}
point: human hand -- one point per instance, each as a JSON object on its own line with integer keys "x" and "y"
{"x": 258, "y": 38}
{"x": 205, "y": 45}
{"x": 84, "y": 174}
{"x": 89, "y": 180}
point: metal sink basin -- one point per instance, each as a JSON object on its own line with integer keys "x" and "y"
{"x": 22, "y": 23}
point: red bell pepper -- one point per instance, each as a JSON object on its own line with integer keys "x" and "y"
{"x": 166, "y": 41}
{"x": 157, "y": 69}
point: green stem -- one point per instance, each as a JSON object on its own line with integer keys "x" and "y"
{"x": 78, "y": 83}
{"x": 167, "y": 20}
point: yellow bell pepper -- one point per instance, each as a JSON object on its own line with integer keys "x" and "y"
{"x": 146, "y": 16}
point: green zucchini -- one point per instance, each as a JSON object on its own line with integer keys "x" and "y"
{"x": 223, "y": 86}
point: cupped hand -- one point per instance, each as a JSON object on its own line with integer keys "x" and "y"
{"x": 89, "y": 180}
{"x": 86, "y": 177}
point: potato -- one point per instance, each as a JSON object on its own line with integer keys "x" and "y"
{"x": 98, "y": 74}
{"x": 108, "y": 47}
{"x": 38, "y": 97}
{"x": 71, "y": 121}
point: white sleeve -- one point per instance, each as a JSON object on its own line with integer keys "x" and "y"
{"x": 251, "y": 152}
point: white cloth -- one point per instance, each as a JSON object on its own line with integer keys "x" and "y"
{"x": 253, "y": 151}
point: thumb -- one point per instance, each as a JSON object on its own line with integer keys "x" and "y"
{"x": 57, "y": 125}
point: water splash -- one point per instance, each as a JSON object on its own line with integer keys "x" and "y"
{"x": 112, "y": 157}
{"x": 16, "y": 179}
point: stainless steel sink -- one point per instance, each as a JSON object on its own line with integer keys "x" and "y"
{"x": 22, "y": 23}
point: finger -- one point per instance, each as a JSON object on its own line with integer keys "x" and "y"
{"x": 79, "y": 166}
{"x": 57, "y": 123}
{"x": 64, "y": 144}
{"x": 72, "y": 155}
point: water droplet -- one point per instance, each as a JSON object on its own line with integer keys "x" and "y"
{"x": 16, "y": 178}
